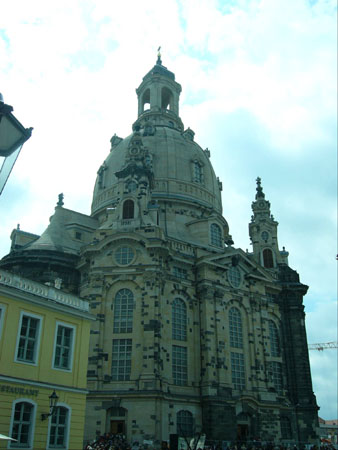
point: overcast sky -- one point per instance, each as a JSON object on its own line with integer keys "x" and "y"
{"x": 258, "y": 88}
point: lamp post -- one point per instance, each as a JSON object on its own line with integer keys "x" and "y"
{"x": 53, "y": 400}
{"x": 12, "y": 137}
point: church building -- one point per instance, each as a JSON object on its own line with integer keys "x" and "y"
{"x": 192, "y": 335}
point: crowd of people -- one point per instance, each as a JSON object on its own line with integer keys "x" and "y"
{"x": 109, "y": 441}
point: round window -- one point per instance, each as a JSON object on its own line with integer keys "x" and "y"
{"x": 234, "y": 276}
{"x": 265, "y": 236}
{"x": 124, "y": 255}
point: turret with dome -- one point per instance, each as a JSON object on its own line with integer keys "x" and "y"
{"x": 192, "y": 334}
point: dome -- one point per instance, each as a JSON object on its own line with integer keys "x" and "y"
{"x": 182, "y": 171}
{"x": 159, "y": 176}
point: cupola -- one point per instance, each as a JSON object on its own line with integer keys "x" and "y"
{"x": 158, "y": 98}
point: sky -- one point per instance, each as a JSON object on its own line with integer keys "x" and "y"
{"x": 258, "y": 89}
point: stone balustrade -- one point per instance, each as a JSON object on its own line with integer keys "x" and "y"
{"x": 41, "y": 290}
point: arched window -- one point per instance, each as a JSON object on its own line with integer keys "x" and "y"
{"x": 235, "y": 328}
{"x": 268, "y": 258}
{"x": 274, "y": 339}
{"x": 128, "y": 209}
{"x": 285, "y": 428}
{"x": 215, "y": 235}
{"x": 22, "y": 424}
{"x": 179, "y": 320}
{"x": 59, "y": 428}
{"x": 123, "y": 311}
{"x": 197, "y": 172}
{"x": 185, "y": 424}
{"x": 146, "y": 100}
{"x": 166, "y": 100}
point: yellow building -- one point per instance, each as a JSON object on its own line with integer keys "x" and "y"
{"x": 44, "y": 339}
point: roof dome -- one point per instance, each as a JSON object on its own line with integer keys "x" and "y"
{"x": 158, "y": 176}
{"x": 181, "y": 169}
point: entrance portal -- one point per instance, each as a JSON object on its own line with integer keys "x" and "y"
{"x": 242, "y": 432}
{"x": 117, "y": 426}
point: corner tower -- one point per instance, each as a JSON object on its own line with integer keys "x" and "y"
{"x": 263, "y": 233}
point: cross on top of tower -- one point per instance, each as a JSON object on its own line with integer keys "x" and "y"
{"x": 259, "y": 189}
{"x": 159, "y": 61}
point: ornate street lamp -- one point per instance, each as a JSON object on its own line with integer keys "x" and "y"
{"x": 53, "y": 401}
{"x": 12, "y": 137}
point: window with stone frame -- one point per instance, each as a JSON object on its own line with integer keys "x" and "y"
{"x": 215, "y": 235}
{"x": 185, "y": 424}
{"x": 123, "y": 311}
{"x": 63, "y": 348}
{"x": 274, "y": 339}
{"x": 179, "y": 365}
{"x": 179, "y": 272}
{"x": 237, "y": 370}
{"x": 121, "y": 359}
{"x": 59, "y": 428}
{"x": 29, "y": 338}
{"x": 2, "y": 314}
{"x": 276, "y": 375}
{"x": 124, "y": 255}
{"x": 285, "y": 427}
{"x": 22, "y": 425}
{"x": 235, "y": 328}
{"x": 128, "y": 209}
{"x": 268, "y": 258}
{"x": 197, "y": 172}
{"x": 179, "y": 320}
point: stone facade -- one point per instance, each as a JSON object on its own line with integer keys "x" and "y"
{"x": 192, "y": 334}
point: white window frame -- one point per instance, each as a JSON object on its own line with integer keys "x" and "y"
{"x": 38, "y": 338}
{"x": 179, "y": 320}
{"x": 71, "y": 356}
{"x": 216, "y": 235}
{"x": 238, "y": 375}
{"x": 2, "y": 317}
{"x": 121, "y": 359}
{"x": 13, "y": 444}
{"x": 61, "y": 405}
{"x": 200, "y": 178}
{"x": 179, "y": 365}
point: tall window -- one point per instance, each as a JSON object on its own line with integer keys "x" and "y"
{"x": 28, "y": 340}
{"x": 123, "y": 311}
{"x": 58, "y": 433}
{"x": 166, "y": 98}
{"x": 235, "y": 328}
{"x": 276, "y": 374}
{"x": 179, "y": 320}
{"x": 285, "y": 426}
{"x": 215, "y": 235}
{"x": 274, "y": 339}
{"x": 22, "y": 425}
{"x": 268, "y": 258}
{"x": 237, "y": 370}
{"x": 63, "y": 351}
{"x": 121, "y": 359}
{"x": 128, "y": 209}
{"x": 185, "y": 423}
{"x": 2, "y": 313}
{"x": 197, "y": 172}
{"x": 180, "y": 365}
